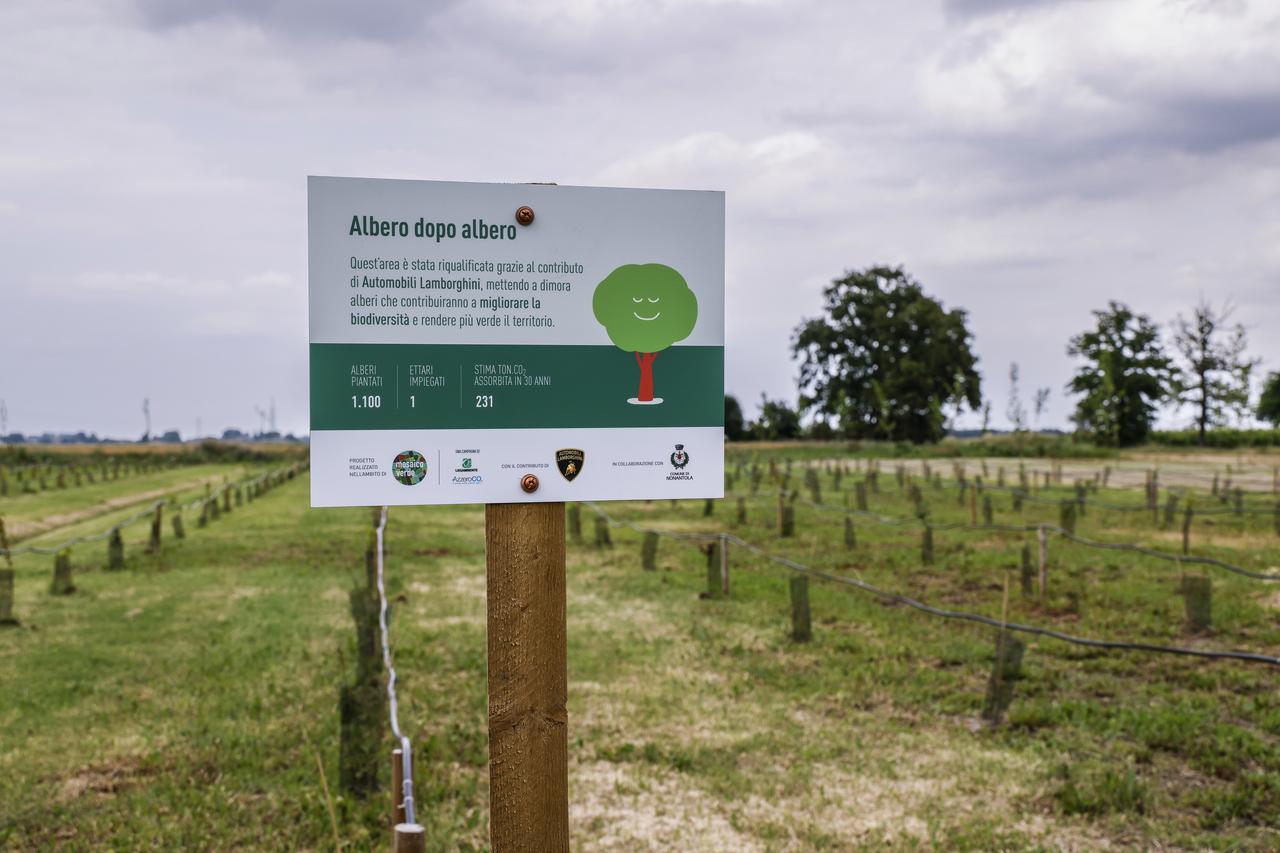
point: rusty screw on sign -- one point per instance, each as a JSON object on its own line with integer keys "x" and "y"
{"x": 529, "y": 482}
{"x": 524, "y": 215}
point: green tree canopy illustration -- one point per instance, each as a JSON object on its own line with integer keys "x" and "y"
{"x": 645, "y": 308}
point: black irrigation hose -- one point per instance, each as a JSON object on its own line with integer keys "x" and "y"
{"x": 960, "y": 615}
{"x": 965, "y": 616}
{"x": 1163, "y": 555}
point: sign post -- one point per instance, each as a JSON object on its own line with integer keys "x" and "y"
{"x": 519, "y": 346}
{"x": 528, "y": 680}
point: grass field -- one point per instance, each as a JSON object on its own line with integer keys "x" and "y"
{"x": 188, "y": 701}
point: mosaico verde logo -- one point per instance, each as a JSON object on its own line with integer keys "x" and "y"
{"x": 409, "y": 467}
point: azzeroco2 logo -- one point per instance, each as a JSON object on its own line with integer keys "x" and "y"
{"x": 468, "y": 472}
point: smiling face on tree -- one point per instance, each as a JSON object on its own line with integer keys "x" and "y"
{"x": 645, "y": 307}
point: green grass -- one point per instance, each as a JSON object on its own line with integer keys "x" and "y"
{"x": 182, "y": 702}
{"x": 22, "y": 511}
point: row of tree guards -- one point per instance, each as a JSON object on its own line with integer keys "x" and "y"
{"x": 31, "y": 479}
{"x": 975, "y": 493}
{"x": 1034, "y": 579}
{"x": 213, "y": 506}
{"x": 1029, "y": 486}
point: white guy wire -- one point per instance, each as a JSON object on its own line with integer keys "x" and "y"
{"x": 406, "y": 750}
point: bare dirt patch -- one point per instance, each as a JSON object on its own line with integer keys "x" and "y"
{"x": 625, "y": 808}
{"x": 103, "y": 781}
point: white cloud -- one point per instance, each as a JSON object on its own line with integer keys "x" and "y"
{"x": 1026, "y": 160}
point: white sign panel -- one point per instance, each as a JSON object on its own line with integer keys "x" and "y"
{"x": 465, "y": 335}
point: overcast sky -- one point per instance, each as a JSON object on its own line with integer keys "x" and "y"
{"x": 1025, "y": 160}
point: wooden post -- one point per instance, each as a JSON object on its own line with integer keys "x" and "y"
{"x": 603, "y": 539}
{"x": 410, "y": 838}
{"x": 708, "y": 508}
{"x": 926, "y": 546}
{"x": 742, "y": 510}
{"x": 178, "y": 531}
{"x": 1043, "y": 533}
{"x": 62, "y": 584}
{"x": 157, "y": 520}
{"x": 1027, "y": 575}
{"x": 801, "y": 627}
{"x": 8, "y": 558}
{"x": 575, "y": 522}
{"x": 850, "y": 537}
{"x": 1170, "y": 510}
{"x": 361, "y": 713}
{"x": 1186, "y": 528}
{"x": 1153, "y": 496}
{"x": 788, "y": 521}
{"x": 988, "y": 512}
{"x": 1004, "y": 672}
{"x": 860, "y": 495}
{"x": 1197, "y": 595}
{"x": 397, "y": 787}
{"x": 115, "y": 550}
{"x": 7, "y": 619}
{"x": 6, "y": 598}
{"x": 528, "y": 684}
{"x": 649, "y": 551}
{"x": 712, "y": 550}
{"x": 1067, "y": 516}
{"x": 724, "y": 566}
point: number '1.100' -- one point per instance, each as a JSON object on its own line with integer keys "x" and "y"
{"x": 367, "y": 401}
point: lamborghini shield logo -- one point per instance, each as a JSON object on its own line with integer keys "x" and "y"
{"x": 570, "y": 463}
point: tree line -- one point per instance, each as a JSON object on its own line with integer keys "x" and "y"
{"x": 887, "y": 361}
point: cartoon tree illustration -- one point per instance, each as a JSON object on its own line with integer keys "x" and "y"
{"x": 645, "y": 308}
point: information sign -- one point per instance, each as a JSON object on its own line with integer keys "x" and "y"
{"x": 464, "y": 335}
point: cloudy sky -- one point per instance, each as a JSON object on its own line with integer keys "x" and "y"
{"x": 1026, "y": 160}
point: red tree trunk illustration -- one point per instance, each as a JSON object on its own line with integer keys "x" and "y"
{"x": 645, "y": 360}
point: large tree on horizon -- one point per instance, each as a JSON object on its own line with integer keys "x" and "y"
{"x": 735, "y": 426}
{"x": 1215, "y": 370}
{"x": 1269, "y": 401}
{"x": 1126, "y": 376}
{"x": 885, "y": 359}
